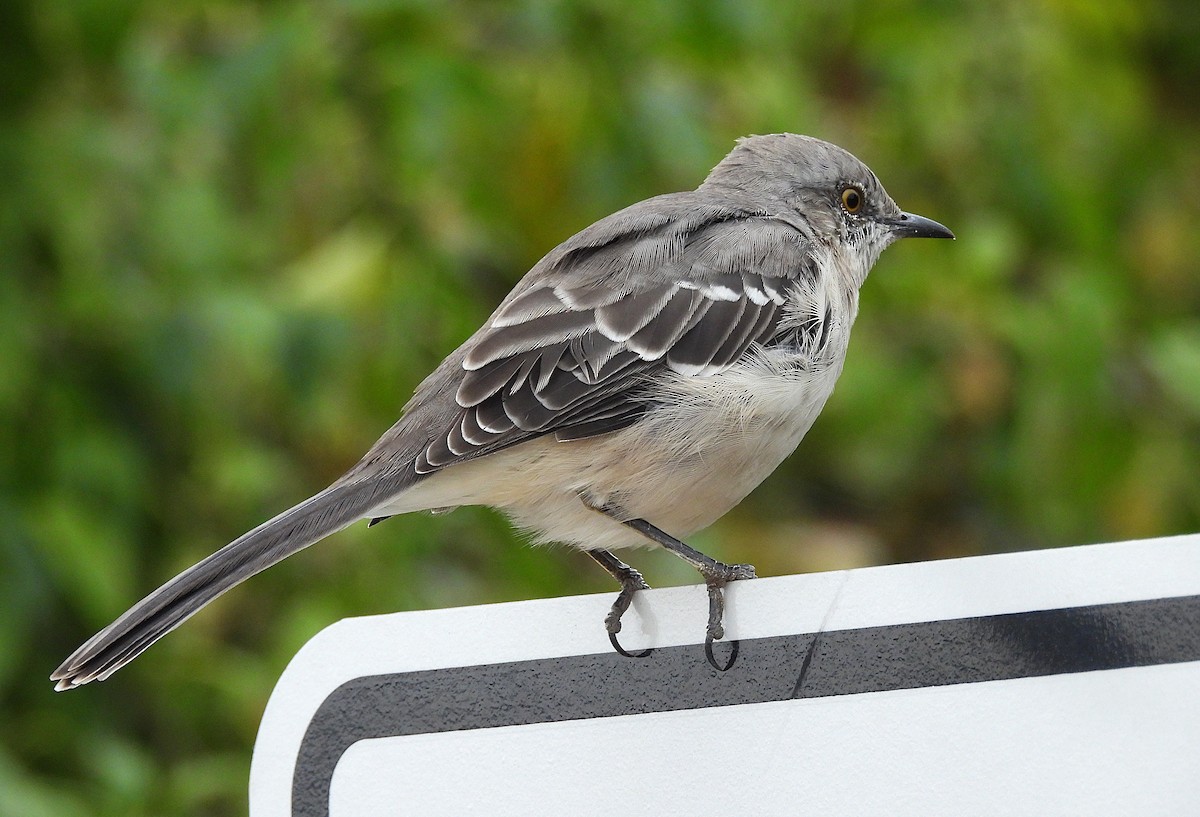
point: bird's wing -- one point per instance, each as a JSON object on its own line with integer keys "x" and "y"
{"x": 569, "y": 352}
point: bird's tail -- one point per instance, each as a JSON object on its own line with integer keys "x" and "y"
{"x": 166, "y": 608}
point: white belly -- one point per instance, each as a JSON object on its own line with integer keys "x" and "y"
{"x": 681, "y": 467}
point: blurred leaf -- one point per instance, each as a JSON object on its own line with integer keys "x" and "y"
{"x": 1175, "y": 359}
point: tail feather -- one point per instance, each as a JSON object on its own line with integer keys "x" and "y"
{"x": 166, "y": 608}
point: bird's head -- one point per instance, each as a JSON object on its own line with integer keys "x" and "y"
{"x": 826, "y": 191}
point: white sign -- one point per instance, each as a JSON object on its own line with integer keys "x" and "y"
{"x": 1058, "y": 682}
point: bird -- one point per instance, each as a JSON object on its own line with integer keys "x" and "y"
{"x": 634, "y": 386}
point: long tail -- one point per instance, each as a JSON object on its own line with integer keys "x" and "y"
{"x": 166, "y": 608}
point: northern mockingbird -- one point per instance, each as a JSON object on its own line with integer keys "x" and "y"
{"x": 634, "y": 386}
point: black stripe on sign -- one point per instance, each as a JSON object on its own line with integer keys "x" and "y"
{"x": 841, "y": 662}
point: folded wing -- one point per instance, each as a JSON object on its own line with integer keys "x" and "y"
{"x": 574, "y": 359}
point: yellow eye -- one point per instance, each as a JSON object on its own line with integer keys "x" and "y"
{"x": 852, "y": 199}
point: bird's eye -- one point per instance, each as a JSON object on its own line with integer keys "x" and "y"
{"x": 852, "y": 199}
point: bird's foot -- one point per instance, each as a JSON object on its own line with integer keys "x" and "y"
{"x": 716, "y": 576}
{"x": 631, "y": 582}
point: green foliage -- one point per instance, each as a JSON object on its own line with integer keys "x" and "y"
{"x": 235, "y": 236}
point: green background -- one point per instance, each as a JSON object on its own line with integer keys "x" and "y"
{"x": 234, "y": 236}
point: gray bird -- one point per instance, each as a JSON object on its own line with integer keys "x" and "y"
{"x": 643, "y": 377}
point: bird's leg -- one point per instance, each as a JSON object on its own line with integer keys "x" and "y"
{"x": 631, "y": 582}
{"x": 716, "y": 574}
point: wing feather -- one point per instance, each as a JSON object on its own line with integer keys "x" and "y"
{"x": 535, "y": 303}
{"x": 695, "y": 350}
{"x": 574, "y": 360}
{"x": 621, "y": 321}
{"x": 654, "y": 339}
{"x": 491, "y": 417}
{"x": 506, "y": 341}
{"x": 482, "y": 383}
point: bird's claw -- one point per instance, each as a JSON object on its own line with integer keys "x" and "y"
{"x": 712, "y": 659}
{"x": 612, "y": 639}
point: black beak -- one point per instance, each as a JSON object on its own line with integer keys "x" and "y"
{"x": 910, "y": 225}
